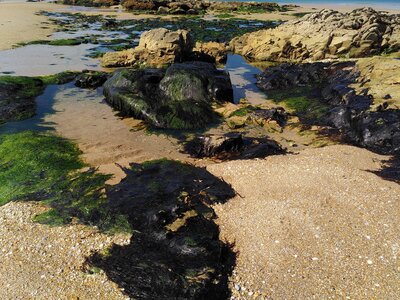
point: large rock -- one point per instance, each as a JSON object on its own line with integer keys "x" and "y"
{"x": 157, "y": 47}
{"x": 177, "y": 98}
{"x": 325, "y": 34}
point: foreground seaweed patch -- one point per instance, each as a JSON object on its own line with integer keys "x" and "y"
{"x": 175, "y": 251}
{"x": 47, "y": 168}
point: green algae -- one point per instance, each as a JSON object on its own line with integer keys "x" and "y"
{"x": 301, "y": 101}
{"x": 47, "y": 168}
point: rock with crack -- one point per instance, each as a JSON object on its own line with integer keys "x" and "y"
{"x": 157, "y": 47}
{"x": 179, "y": 97}
{"x": 210, "y": 51}
{"x": 325, "y": 34}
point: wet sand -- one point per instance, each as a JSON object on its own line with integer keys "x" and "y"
{"x": 19, "y": 23}
{"x": 107, "y": 141}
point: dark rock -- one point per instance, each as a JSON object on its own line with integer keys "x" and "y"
{"x": 17, "y": 97}
{"x": 177, "y": 98}
{"x": 91, "y": 80}
{"x": 350, "y": 109}
{"x": 277, "y": 114}
{"x": 231, "y": 146}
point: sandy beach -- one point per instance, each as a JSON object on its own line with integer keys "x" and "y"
{"x": 315, "y": 223}
{"x": 19, "y": 23}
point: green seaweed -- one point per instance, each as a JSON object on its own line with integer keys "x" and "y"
{"x": 43, "y": 167}
{"x": 300, "y": 100}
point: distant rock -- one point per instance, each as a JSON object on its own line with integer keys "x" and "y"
{"x": 179, "y": 97}
{"x": 210, "y": 51}
{"x": 156, "y": 47}
{"x": 160, "y": 47}
{"x": 325, "y": 34}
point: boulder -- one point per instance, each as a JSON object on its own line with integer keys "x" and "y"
{"x": 156, "y": 47}
{"x": 325, "y": 34}
{"x": 179, "y": 97}
{"x": 210, "y": 51}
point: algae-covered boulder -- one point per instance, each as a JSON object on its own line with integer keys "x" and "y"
{"x": 179, "y": 97}
{"x": 17, "y": 97}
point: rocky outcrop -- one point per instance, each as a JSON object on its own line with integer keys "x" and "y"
{"x": 195, "y": 6}
{"x": 325, "y": 34}
{"x": 340, "y": 86}
{"x": 156, "y": 47}
{"x": 179, "y": 97}
{"x": 159, "y": 47}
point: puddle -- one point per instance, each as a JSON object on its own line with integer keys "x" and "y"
{"x": 36, "y": 60}
{"x": 243, "y": 78}
{"x": 45, "y": 107}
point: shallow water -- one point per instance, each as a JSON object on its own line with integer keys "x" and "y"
{"x": 36, "y": 60}
{"x": 243, "y": 78}
{"x": 45, "y": 107}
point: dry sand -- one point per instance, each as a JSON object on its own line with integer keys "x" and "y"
{"x": 19, "y": 23}
{"x": 43, "y": 262}
{"x": 317, "y": 225}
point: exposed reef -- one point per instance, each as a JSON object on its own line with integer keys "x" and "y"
{"x": 350, "y": 107}
{"x": 325, "y": 34}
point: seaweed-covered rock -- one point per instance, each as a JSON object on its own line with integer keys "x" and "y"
{"x": 89, "y": 3}
{"x": 231, "y": 146}
{"x": 325, "y": 34}
{"x": 91, "y": 80}
{"x": 157, "y": 47}
{"x": 17, "y": 97}
{"x": 177, "y": 98}
{"x": 341, "y": 86}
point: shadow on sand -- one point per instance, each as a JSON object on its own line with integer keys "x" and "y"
{"x": 175, "y": 251}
